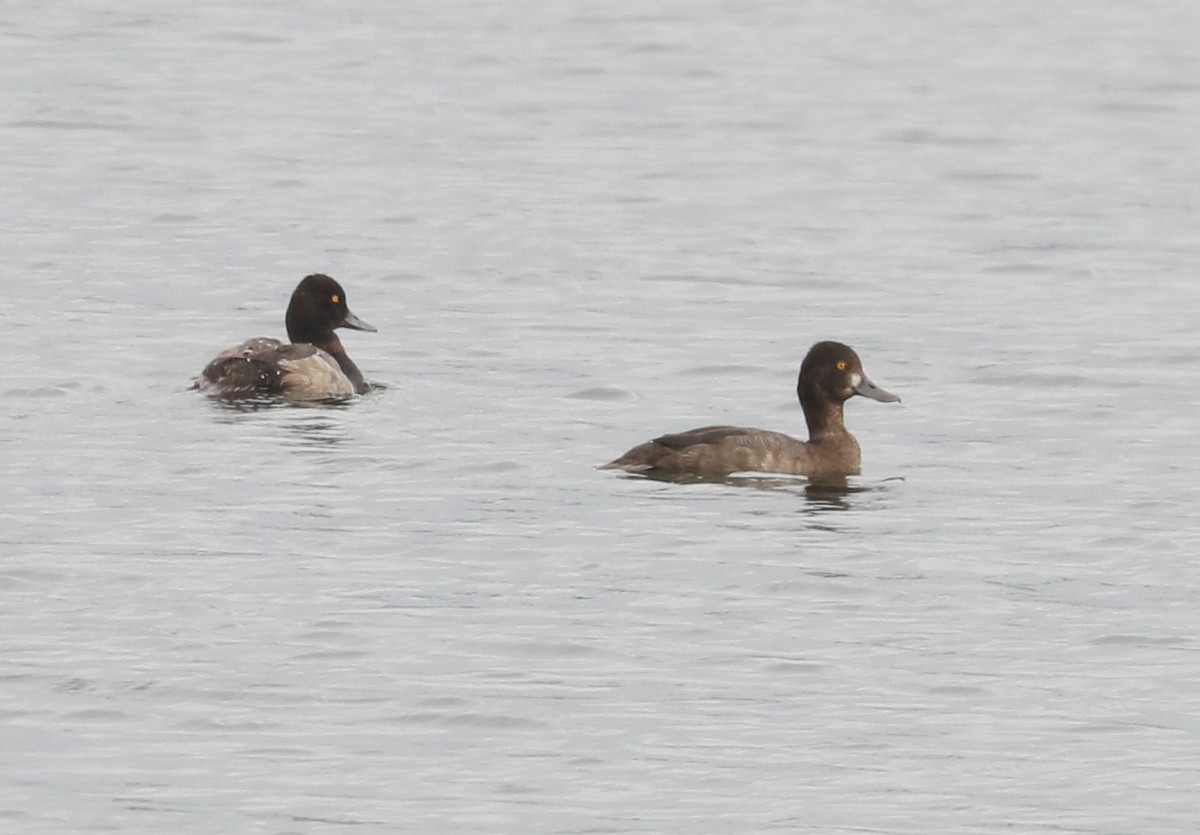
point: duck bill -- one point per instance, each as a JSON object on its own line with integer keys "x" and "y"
{"x": 354, "y": 323}
{"x": 868, "y": 389}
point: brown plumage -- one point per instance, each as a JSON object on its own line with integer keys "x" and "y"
{"x": 829, "y": 376}
{"x": 314, "y": 366}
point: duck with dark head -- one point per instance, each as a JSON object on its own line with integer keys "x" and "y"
{"x": 829, "y": 376}
{"x": 313, "y": 366}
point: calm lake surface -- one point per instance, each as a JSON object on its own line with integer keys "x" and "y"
{"x": 578, "y": 226}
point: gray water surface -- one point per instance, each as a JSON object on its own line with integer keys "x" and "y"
{"x": 578, "y": 226}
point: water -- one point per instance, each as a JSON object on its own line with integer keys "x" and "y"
{"x": 576, "y": 227}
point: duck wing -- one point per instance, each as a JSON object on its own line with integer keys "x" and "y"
{"x": 297, "y": 370}
{"x": 715, "y": 451}
{"x": 705, "y": 435}
{"x": 244, "y": 369}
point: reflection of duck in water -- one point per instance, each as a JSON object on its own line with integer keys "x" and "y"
{"x": 313, "y": 367}
{"x": 829, "y": 376}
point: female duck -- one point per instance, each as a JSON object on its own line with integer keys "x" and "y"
{"x": 829, "y": 376}
{"x": 313, "y": 367}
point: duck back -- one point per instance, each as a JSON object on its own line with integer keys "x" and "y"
{"x": 244, "y": 369}
{"x": 299, "y": 371}
{"x": 710, "y": 451}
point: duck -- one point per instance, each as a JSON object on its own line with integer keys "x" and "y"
{"x": 830, "y": 374}
{"x": 313, "y": 366}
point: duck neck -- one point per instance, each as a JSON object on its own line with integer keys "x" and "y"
{"x": 299, "y": 331}
{"x": 824, "y": 417}
{"x": 333, "y": 346}
{"x": 351, "y": 371}
{"x": 328, "y": 342}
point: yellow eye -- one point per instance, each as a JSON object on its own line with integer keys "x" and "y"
{"x": 841, "y": 366}
{"x": 335, "y": 299}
